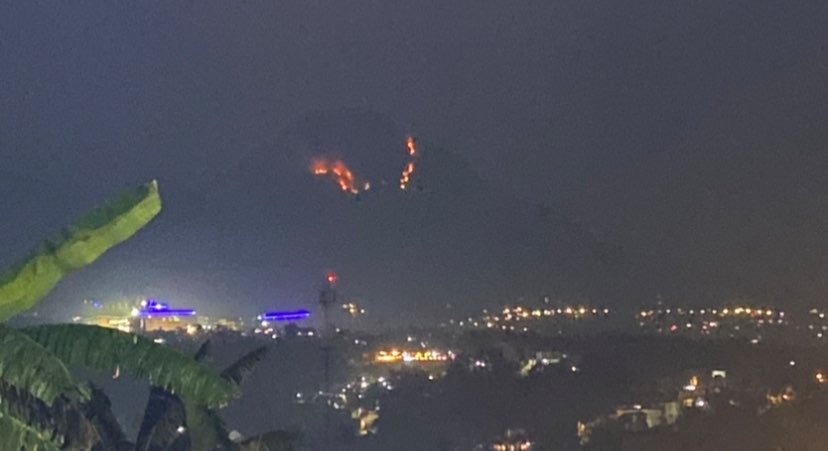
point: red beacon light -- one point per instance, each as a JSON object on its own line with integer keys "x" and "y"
{"x": 331, "y": 278}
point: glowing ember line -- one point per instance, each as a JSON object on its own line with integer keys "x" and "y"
{"x": 340, "y": 173}
{"x": 412, "y": 148}
{"x": 408, "y": 171}
{"x": 406, "y": 175}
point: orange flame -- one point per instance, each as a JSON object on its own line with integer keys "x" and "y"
{"x": 408, "y": 171}
{"x": 412, "y": 148}
{"x": 338, "y": 171}
{"x": 406, "y": 175}
{"x": 319, "y": 167}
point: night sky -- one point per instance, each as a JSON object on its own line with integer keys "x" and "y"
{"x": 601, "y": 151}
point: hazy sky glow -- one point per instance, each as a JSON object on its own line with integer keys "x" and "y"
{"x": 600, "y": 150}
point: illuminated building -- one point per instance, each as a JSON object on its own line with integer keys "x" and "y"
{"x": 290, "y": 330}
{"x": 513, "y": 440}
{"x": 158, "y": 316}
{"x": 112, "y": 315}
{"x": 213, "y": 324}
{"x": 124, "y": 324}
{"x": 148, "y": 315}
{"x": 285, "y": 316}
{"x": 427, "y": 362}
{"x": 417, "y": 356}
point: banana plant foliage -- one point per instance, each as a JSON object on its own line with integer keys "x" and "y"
{"x": 41, "y": 406}
{"x": 80, "y": 244}
{"x": 109, "y": 349}
{"x": 170, "y": 421}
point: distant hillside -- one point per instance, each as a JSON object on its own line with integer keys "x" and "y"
{"x": 452, "y": 238}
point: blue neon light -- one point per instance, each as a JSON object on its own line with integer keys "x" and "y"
{"x": 166, "y": 313}
{"x": 152, "y": 304}
{"x": 286, "y": 316}
{"x": 163, "y": 310}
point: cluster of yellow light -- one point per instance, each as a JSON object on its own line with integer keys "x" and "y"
{"x": 519, "y": 313}
{"x": 124, "y": 324}
{"x": 734, "y": 311}
{"x": 366, "y": 418}
{"x": 353, "y": 309}
{"x": 747, "y": 311}
{"x": 405, "y": 178}
{"x": 785, "y": 396}
{"x": 820, "y": 377}
{"x": 582, "y": 429}
{"x": 522, "y": 446}
{"x": 395, "y": 356}
{"x": 340, "y": 173}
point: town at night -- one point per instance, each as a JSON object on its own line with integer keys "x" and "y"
{"x": 412, "y": 226}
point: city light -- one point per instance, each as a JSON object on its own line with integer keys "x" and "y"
{"x": 527, "y": 315}
{"x": 353, "y": 309}
{"x": 397, "y": 356}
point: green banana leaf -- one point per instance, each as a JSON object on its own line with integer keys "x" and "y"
{"x": 163, "y": 417}
{"x": 99, "y": 412}
{"x": 22, "y": 287}
{"x": 17, "y": 435}
{"x": 64, "y": 420}
{"x": 111, "y": 350}
{"x": 244, "y": 366}
{"x": 207, "y": 429}
{"x": 28, "y": 366}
